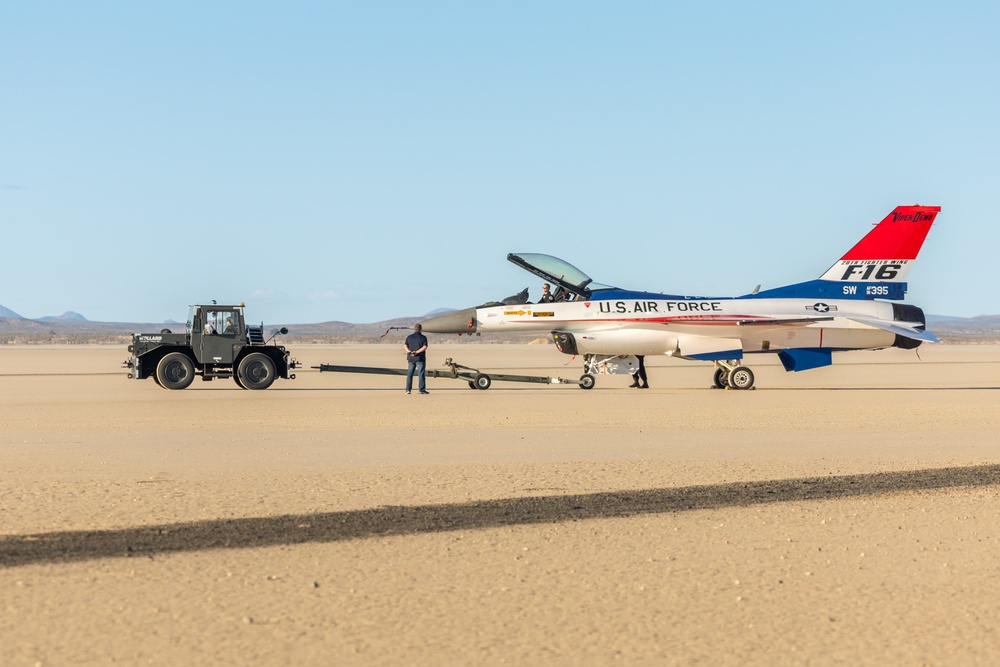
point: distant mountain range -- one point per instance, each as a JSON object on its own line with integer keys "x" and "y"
{"x": 74, "y": 323}
{"x": 69, "y": 315}
{"x": 982, "y": 326}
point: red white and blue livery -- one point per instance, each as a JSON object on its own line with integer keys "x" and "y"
{"x": 852, "y": 306}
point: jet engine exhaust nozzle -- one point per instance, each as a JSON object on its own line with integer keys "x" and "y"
{"x": 456, "y": 322}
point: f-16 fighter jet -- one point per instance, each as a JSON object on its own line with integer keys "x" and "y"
{"x": 852, "y": 306}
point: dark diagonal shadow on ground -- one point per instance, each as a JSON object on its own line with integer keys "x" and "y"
{"x": 69, "y": 546}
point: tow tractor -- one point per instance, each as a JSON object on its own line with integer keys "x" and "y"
{"x": 217, "y": 343}
{"x": 455, "y": 371}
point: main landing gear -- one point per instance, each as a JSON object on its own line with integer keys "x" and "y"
{"x": 730, "y": 375}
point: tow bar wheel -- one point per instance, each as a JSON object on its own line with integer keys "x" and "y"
{"x": 483, "y": 381}
{"x": 587, "y": 381}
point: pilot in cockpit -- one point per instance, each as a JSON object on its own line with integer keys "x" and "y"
{"x": 561, "y": 295}
{"x": 546, "y": 295}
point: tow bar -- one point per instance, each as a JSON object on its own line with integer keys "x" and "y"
{"x": 476, "y": 378}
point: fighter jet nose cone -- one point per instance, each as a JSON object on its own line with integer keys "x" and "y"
{"x": 456, "y": 322}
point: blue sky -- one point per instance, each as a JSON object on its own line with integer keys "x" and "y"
{"x": 363, "y": 161}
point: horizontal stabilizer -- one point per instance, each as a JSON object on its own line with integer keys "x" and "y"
{"x": 898, "y": 329}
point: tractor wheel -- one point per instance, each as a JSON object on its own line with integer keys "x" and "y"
{"x": 236, "y": 379}
{"x": 256, "y": 371}
{"x": 175, "y": 371}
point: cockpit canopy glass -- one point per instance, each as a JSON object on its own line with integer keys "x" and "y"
{"x": 553, "y": 269}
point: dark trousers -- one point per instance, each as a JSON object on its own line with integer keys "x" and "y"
{"x": 640, "y": 373}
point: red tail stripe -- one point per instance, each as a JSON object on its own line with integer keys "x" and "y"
{"x": 899, "y": 236}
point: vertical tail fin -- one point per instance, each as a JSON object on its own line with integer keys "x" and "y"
{"x": 887, "y": 252}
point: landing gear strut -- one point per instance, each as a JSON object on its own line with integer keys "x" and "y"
{"x": 730, "y": 375}
{"x": 605, "y": 364}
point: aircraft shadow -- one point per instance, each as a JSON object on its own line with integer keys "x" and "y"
{"x": 251, "y": 533}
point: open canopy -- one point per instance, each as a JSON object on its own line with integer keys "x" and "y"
{"x": 554, "y": 270}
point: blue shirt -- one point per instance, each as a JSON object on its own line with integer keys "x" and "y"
{"x": 415, "y": 341}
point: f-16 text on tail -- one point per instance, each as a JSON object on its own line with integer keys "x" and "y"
{"x": 850, "y": 307}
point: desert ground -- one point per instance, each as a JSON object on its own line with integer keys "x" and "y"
{"x": 844, "y": 515}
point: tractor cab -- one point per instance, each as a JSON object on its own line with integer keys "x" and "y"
{"x": 217, "y": 332}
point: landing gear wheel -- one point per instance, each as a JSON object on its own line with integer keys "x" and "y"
{"x": 256, "y": 371}
{"x": 483, "y": 381}
{"x": 587, "y": 381}
{"x": 719, "y": 378}
{"x": 175, "y": 371}
{"x": 740, "y": 377}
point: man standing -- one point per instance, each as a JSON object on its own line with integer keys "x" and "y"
{"x": 416, "y": 358}
{"x": 640, "y": 381}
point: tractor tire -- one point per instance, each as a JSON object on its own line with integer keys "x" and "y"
{"x": 175, "y": 371}
{"x": 256, "y": 371}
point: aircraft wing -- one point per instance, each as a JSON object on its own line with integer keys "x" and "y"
{"x": 899, "y": 329}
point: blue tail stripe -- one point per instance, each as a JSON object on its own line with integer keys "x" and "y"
{"x": 829, "y": 289}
